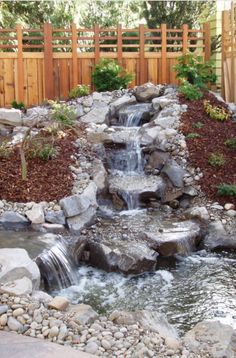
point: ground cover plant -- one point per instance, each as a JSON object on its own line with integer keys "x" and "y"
{"x": 216, "y": 137}
{"x": 79, "y": 91}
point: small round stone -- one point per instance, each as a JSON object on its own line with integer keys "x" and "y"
{"x": 106, "y": 344}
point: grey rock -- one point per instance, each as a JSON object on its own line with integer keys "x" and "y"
{"x": 99, "y": 175}
{"x": 140, "y": 112}
{"x": 123, "y": 101}
{"x": 165, "y": 122}
{"x": 83, "y": 314}
{"x": 189, "y": 190}
{"x": 165, "y": 101}
{"x": 147, "y": 92}
{"x": 35, "y": 115}
{"x": 14, "y": 325}
{"x": 36, "y": 214}
{"x": 20, "y": 287}
{"x": 174, "y": 172}
{"x": 91, "y": 347}
{"x": 55, "y": 217}
{"x": 98, "y": 114}
{"x": 77, "y": 223}
{"x": 12, "y": 220}
{"x": 11, "y": 117}
{"x": 197, "y": 212}
{"x": 158, "y": 158}
{"x": 41, "y": 296}
{"x": 3, "y": 309}
{"x": 217, "y": 237}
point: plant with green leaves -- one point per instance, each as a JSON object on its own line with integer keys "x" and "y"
{"x": 79, "y": 91}
{"x": 190, "y": 92}
{"x": 197, "y": 125}
{"x": 192, "y": 136}
{"x": 226, "y": 189}
{"x": 216, "y": 160}
{"x": 5, "y": 150}
{"x": 217, "y": 113}
{"x": 108, "y": 75}
{"x": 63, "y": 114}
{"x": 42, "y": 148}
{"x": 231, "y": 143}
{"x": 18, "y": 105}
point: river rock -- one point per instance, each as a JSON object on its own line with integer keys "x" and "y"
{"x": 213, "y": 338}
{"x": 3, "y": 309}
{"x": 165, "y": 122}
{"x": 147, "y": 92}
{"x": 128, "y": 257}
{"x": 176, "y": 238}
{"x": 98, "y": 114}
{"x": 55, "y": 217}
{"x": 197, "y": 212}
{"x": 158, "y": 158}
{"x": 174, "y": 172}
{"x": 16, "y": 264}
{"x": 19, "y": 287}
{"x": 36, "y": 214}
{"x": 11, "y": 220}
{"x": 99, "y": 175}
{"x": 78, "y": 222}
{"x": 83, "y": 314}
{"x": 11, "y": 117}
{"x": 217, "y": 237}
{"x": 59, "y": 303}
{"x": 14, "y": 325}
{"x": 41, "y": 296}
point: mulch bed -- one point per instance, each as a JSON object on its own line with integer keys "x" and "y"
{"x": 46, "y": 180}
{"x": 213, "y": 135}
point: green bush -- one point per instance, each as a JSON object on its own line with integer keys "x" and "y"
{"x": 40, "y": 148}
{"x": 190, "y": 91}
{"x": 217, "y": 113}
{"x": 226, "y": 189}
{"x": 18, "y": 105}
{"x": 79, "y": 91}
{"x": 5, "y": 150}
{"x": 192, "y": 135}
{"x": 197, "y": 125}
{"x": 231, "y": 143}
{"x": 108, "y": 75}
{"x": 216, "y": 159}
{"x": 63, "y": 114}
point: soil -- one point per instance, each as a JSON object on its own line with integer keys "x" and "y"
{"x": 46, "y": 180}
{"x": 213, "y": 134}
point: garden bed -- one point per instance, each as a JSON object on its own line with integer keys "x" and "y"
{"x": 211, "y": 140}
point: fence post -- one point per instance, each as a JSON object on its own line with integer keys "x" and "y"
{"x": 74, "y": 56}
{"x": 185, "y": 38}
{"x": 141, "y": 54}
{"x": 119, "y": 44}
{"x": 20, "y": 65}
{"x": 163, "y": 52}
{"x": 223, "y": 57}
{"x": 232, "y": 38}
{"x": 48, "y": 62}
{"x": 207, "y": 42}
{"x": 96, "y": 43}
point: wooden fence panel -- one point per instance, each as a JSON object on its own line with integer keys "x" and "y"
{"x": 46, "y": 63}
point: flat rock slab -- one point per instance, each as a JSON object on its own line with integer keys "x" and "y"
{"x": 14, "y": 346}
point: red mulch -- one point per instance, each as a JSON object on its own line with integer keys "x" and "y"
{"x": 46, "y": 180}
{"x": 213, "y": 135}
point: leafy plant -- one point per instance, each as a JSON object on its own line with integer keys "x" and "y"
{"x": 5, "y": 150}
{"x": 108, "y": 75}
{"x": 18, "y": 105}
{"x": 190, "y": 91}
{"x": 63, "y": 114}
{"x": 217, "y": 113}
{"x": 231, "y": 143}
{"x": 192, "y": 135}
{"x": 226, "y": 189}
{"x": 42, "y": 148}
{"x": 216, "y": 159}
{"x": 197, "y": 125}
{"x": 79, "y": 91}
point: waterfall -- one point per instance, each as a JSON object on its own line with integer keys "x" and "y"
{"x": 56, "y": 267}
{"x": 130, "y": 119}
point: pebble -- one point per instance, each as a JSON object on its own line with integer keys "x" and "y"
{"x": 3, "y": 320}
{"x": 14, "y": 325}
{"x": 3, "y": 309}
{"x": 18, "y": 312}
{"x": 91, "y": 347}
{"x": 106, "y": 344}
{"x": 53, "y": 332}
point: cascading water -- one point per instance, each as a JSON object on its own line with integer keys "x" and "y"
{"x": 56, "y": 267}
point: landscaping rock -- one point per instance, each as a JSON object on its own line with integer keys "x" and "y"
{"x": 16, "y": 264}
{"x": 11, "y": 220}
{"x": 83, "y": 314}
{"x": 77, "y": 223}
{"x": 147, "y": 92}
{"x": 99, "y": 175}
{"x": 158, "y": 158}
{"x": 59, "y": 303}
{"x": 11, "y": 117}
{"x": 98, "y": 114}
{"x": 197, "y": 213}
{"x": 120, "y": 103}
{"x": 14, "y": 325}
{"x": 19, "y": 287}
{"x": 36, "y": 214}
{"x": 217, "y": 237}
{"x": 55, "y": 217}
{"x": 174, "y": 172}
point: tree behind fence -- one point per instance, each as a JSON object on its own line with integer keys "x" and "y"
{"x": 46, "y": 63}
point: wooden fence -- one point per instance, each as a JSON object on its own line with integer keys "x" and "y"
{"x": 38, "y": 64}
{"x": 229, "y": 54}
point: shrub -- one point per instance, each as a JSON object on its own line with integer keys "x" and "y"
{"x": 197, "y": 125}
{"x": 192, "y": 135}
{"x": 40, "y": 148}
{"x": 226, "y": 189}
{"x": 5, "y": 150}
{"x": 190, "y": 91}
{"x": 79, "y": 91}
{"x": 18, "y": 105}
{"x": 231, "y": 143}
{"x": 216, "y": 159}
{"x": 108, "y": 75}
{"x": 63, "y": 114}
{"x": 217, "y": 113}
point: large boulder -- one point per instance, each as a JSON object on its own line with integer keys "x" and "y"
{"x": 98, "y": 114}
{"x": 11, "y": 220}
{"x": 99, "y": 175}
{"x": 174, "y": 238}
{"x": 147, "y": 92}
{"x": 135, "y": 114}
{"x": 128, "y": 257}
{"x": 35, "y": 115}
{"x": 121, "y": 102}
{"x": 78, "y": 222}
{"x": 16, "y": 264}
{"x": 82, "y": 314}
{"x": 36, "y": 214}
{"x": 216, "y": 237}
{"x": 55, "y": 217}
{"x": 174, "y": 172}
{"x": 11, "y": 117}
{"x": 20, "y": 287}
{"x": 158, "y": 158}
{"x": 213, "y": 339}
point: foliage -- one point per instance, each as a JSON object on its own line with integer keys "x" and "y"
{"x": 197, "y": 125}
{"x": 79, "y": 91}
{"x": 231, "y": 143}
{"x": 192, "y": 135}
{"x": 216, "y": 159}
{"x": 18, "y": 105}
{"x": 226, "y": 189}
{"x": 5, "y": 150}
{"x": 108, "y": 75}
{"x": 63, "y": 114}
{"x": 190, "y": 91}
{"x": 176, "y": 13}
{"x": 217, "y": 113}
{"x": 42, "y": 148}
